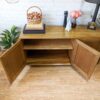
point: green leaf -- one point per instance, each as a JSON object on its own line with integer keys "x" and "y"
{"x": 5, "y": 41}
{"x": 15, "y": 39}
{"x": 7, "y": 46}
{"x": 2, "y": 43}
{"x": 6, "y": 32}
{"x": 9, "y": 37}
{"x": 13, "y": 29}
{"x": 16, "y": 33}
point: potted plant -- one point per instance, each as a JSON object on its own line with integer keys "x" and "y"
{"x": 9, "y": 37}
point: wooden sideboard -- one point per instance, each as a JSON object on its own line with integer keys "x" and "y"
{"x": 79, "y": 48}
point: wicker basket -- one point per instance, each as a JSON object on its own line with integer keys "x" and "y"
{"x": 34, "y": 17}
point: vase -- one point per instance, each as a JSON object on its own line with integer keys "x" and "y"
{"x": 74, "y": 23}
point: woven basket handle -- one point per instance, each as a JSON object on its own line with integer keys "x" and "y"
{"x": 34, "y": 7}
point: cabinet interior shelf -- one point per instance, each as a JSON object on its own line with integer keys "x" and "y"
{"x": 55, "y": 44}
{"x": 58, "y": 57}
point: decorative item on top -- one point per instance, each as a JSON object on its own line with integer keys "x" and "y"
{"x": 92, "y": 24}
{"x": 34, "y": 21}
{"x": 65, "y": 18}
{"x": 98, "y": 20}
{"x": 34, "y": 17}
{"x": 74, "y": 15}
{"x": 69, "y": 24}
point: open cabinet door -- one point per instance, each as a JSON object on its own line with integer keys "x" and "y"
{"x": 13, "y": 61}
{"x": 83, "y": 58}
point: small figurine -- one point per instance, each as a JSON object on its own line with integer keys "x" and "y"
{"x": 69, "y": 25}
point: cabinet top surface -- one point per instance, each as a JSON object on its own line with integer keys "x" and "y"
{"x": 58, "y": 32}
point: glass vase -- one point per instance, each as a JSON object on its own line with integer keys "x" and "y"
{"x": 74, "y": 23}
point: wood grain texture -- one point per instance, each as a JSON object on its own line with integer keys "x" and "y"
{"x": 72, "y": 53}
{"x": 13, "y": 61}
{"x": 47, "y": 44}
{"x": 85, "y": 59}
{"x": 92, "y": 42}
{"x": 48, "y": 57}
{"x": 50, "y": 83}
{"x": 58, "y": 32}
{"x": 55, "y": 38}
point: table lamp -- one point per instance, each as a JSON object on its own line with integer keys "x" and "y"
{"x": 92, "y": 25}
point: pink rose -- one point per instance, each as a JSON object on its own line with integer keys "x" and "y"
{"x": 75, "y": 14}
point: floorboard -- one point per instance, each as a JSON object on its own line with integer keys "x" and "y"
{"x": 50, "y": 83}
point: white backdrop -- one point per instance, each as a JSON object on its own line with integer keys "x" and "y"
{"x": 53, "y": 11}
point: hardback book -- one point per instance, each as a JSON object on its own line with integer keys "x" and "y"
{"x": 34, "y": 31}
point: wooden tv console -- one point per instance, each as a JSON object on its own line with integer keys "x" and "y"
{"x": 79, "y": 48}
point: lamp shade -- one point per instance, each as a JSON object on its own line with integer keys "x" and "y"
{"x": 93, "y": 1}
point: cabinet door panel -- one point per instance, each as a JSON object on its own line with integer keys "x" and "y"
{"x": 84, "y": 58}
{"x": 13, "y": 61}
{"x": 72, "y": 53}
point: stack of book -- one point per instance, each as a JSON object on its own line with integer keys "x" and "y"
{"x": 34, "y": 28}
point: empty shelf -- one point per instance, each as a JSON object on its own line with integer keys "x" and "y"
{"x": 48, "y": 45}
{"x": 48, "y": 58}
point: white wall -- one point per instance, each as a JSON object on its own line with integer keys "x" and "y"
{"x": 15, "y": 14}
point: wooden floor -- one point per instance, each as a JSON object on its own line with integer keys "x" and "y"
{"x": 50, "y": 83}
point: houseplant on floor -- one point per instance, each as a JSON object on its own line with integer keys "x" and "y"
{"x": 9, "y": 37}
